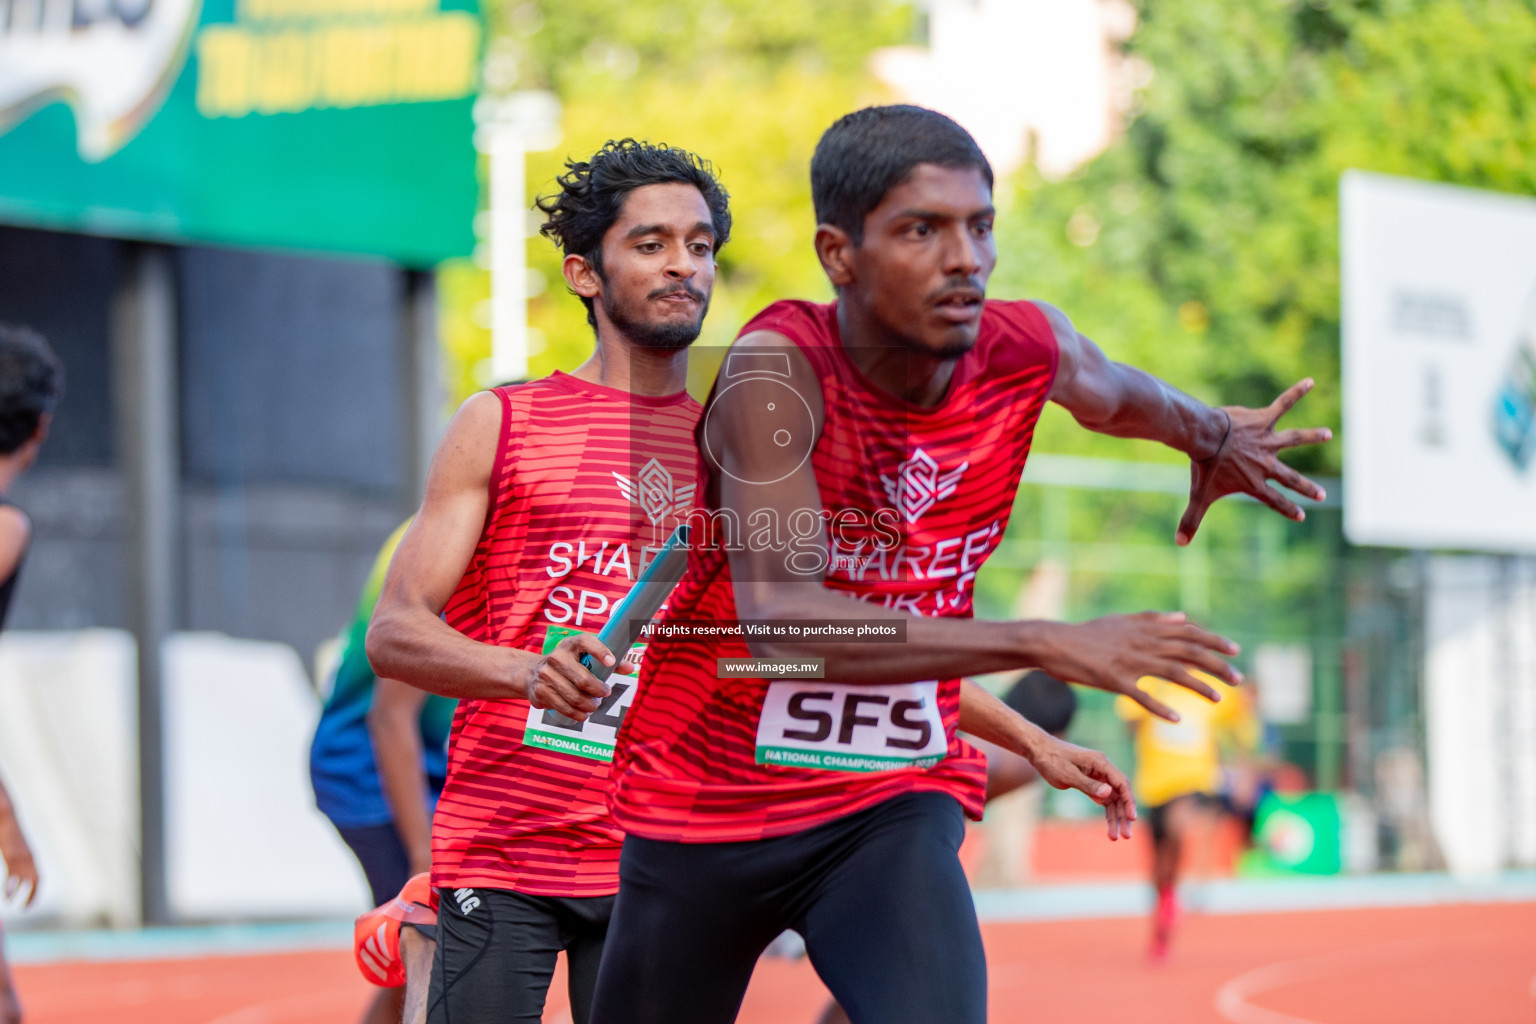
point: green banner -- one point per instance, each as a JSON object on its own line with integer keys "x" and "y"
{"x": 332, "y": 125}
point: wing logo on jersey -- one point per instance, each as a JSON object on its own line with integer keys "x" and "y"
{"x": 654, "y": 490}
{"x": 918, "y": 485}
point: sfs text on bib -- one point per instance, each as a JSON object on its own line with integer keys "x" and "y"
{"x": 851, "y": 728}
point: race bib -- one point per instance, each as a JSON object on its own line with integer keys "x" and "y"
{"x": 595, "y": 737}
{"x": 850, "y": 728}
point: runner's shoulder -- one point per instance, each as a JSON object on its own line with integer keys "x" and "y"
{"x": 1024, "y": 335}
{"x": 15, "y": 526}
{"x": 789, "y": 317}
{"x": 473, "y": 436}
{"x": 765, "y": 357}
{"x": 479, "y": 414}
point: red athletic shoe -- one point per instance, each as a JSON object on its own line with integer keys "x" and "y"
{"x": 376, "y": 936}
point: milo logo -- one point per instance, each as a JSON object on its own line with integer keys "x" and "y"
{"x": 112, "y": 61}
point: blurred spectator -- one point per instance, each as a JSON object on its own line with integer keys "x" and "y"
{"x": 1178, "y": 776}
{"x": 31, "y": 379}
{"x": 20, "y": 873}
{"x": 377, "y": 764}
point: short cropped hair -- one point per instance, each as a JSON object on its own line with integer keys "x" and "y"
{"x": 1044, "y": 700}
{"x": 867, "y": 153}
{"x": 31, "y": 380}
{"x": 592, "y": 194}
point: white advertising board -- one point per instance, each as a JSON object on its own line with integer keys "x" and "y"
{"x": 1439, "y": 333}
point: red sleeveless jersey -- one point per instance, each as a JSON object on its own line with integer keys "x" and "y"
{"x": 703, "y": 759}
{"x": 589, "y": 482}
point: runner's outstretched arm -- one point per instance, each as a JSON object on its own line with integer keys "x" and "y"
{"x": 771, "y": 582}
{"x": 1064, "y": 765}
{"x": 1232, "y": 449}
{"x": 407, "y": 637}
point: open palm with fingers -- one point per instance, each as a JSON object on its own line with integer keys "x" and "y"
{"x": 1249, "y": 458}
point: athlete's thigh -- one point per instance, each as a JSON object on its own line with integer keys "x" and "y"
{"x": 892, "y": 929}
{"x": 584, "y": 932}
{"x": 496, "y": 954}
{"x": 686, "y": 931}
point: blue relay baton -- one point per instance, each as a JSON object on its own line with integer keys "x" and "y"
{"x": 640, "y": 605}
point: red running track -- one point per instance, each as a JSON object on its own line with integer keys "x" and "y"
{"x": 1429, "y": 965}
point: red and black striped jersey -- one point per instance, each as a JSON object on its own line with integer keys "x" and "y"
{"x": 589, "y": 481}
{"x": 704, "y": 759}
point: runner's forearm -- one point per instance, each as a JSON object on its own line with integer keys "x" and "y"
{"x": 1112, "y": 398}
{"x": 934, "y": 648}
{"x": 419, "y": 648}
{"x": 1149, "y": 409}
{"x": 985, "y": 716}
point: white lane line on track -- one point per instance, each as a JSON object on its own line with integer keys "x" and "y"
{"x": 1232, "y": 998}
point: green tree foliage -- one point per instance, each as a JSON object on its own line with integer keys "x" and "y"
{"x": 747, "y": 85}
{"x": 1204, "y": 244}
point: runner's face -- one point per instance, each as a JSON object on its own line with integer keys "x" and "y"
{"x": 928, "y": 250}
{"x": 659, "y": 266}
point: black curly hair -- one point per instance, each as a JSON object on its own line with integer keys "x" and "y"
{"x": 592, "y": 194}
{"x": 31, "y": 380}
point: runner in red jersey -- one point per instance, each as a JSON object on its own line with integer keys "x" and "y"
{"x": 860, "y": 462}
{"x": 545, "y": 502}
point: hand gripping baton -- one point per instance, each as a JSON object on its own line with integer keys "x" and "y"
{"x": 641, "y": 603}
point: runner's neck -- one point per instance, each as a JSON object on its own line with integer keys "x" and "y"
{"x": 889, "y": 362}
{"x": 619, "y": 364}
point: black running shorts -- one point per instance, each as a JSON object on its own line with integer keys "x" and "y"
{"x": 879, "y": 897}
{"x": 496, "y": 953}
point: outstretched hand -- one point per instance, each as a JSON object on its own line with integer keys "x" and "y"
{"x": 1248, "y": 459}
{"x": 1068, "y": 766}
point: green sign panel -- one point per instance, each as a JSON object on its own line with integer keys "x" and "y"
{"x": 333, "y": 125}
{"x": 1300, "y": 833}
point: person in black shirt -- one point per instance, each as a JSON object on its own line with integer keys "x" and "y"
{"x": 31, "y": 379}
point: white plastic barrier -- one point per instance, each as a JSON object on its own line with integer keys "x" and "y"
{"x": 244, "y": 839}
{"x": 1480, "y": 709}
{"x": 68, "y": 755}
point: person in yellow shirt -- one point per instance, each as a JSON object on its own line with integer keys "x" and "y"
{"x": 1178, "y": 774}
